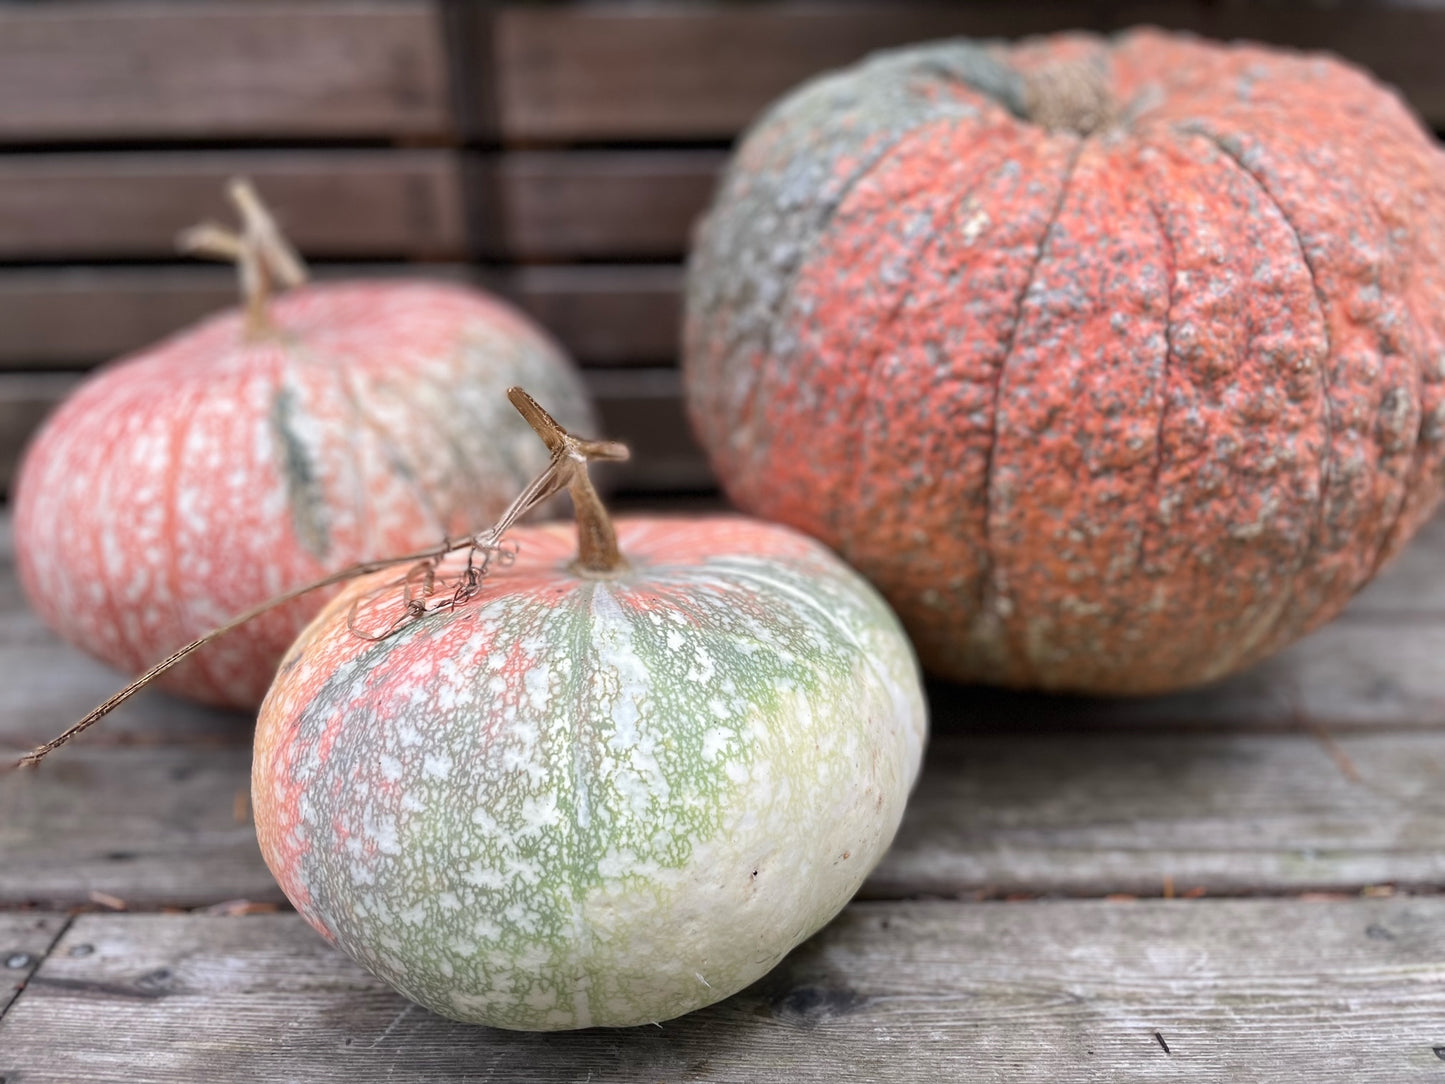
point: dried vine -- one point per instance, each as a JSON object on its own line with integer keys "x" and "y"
{"x": 567, "y": 469}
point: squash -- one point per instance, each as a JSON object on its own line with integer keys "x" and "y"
{"x": 1116, "y": 364}
{"x": 265, "y": 448}
{"x": 601, "y": 791}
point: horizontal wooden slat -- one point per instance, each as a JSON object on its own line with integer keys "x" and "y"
{"x": 568, "y": 205}
{"x": 1209, "y": 991}
{"x": 332, "y": 203}
{"x": 1019, "y": 794}
{"x": 642, "y": 407}
{"x": 535, "y": 206}
{"x": 702, "y": 71}
{"x": 139, "y": 70}
{"x": 73, "y": 317}
{"x": 1079, "y": 814}
{"x": 605, "y": 315}
{"x": 24, "y": 941}
{"x": 663, "y": 71}
{"x": 151, "y": 825}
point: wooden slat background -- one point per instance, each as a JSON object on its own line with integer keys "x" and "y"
{"x": 138, "y": 70}
{"x": 558, "y": 153}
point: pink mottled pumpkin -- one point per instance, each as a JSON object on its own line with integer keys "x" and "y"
{"x": 1117, "y": 364}
{"x": 221, "y": 467}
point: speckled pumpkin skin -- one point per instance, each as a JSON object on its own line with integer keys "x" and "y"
{"x": 180, "y": 487}
{"x": 576, "y": 802}
{"x": 1113, "y": 412}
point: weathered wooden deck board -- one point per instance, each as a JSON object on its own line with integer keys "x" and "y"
{"x": 1376, "y": 667}
{"x": 25, "y": 939}
{"x": 1086, "y": 814}
{"x": 1256, "y": 990}
{"x": 1320, "y": 770}
{"x": 154, "y": 827}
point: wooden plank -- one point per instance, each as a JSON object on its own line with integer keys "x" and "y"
{"x": 332, "y": 203}
{"x": 570, "y": 205}
{"x": 1096, "y": 813}
{"x": 606, "y": 315}
{"x": 544, "y": 205}
{"x": 73, "y": 317}
{"x": 660, "y": 71}
{"x": 642, "y": 407}
{"x": 1089, "y": 813}
{"x": 139, "y": 70}
{"x": 25, "y": 400}
{"x": 1210, "y": 991}
{"x": 48, "y": 685}
{"x": 25, "y": 939}
{"x": 164, "y": 826}
{"x": 702, "y": 71}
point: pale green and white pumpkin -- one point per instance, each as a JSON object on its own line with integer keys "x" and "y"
{"x": 592, "y": 798}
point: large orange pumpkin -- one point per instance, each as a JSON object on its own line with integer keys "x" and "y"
{"x": 1115, "y": 364}
{"x": 260, "y": 451}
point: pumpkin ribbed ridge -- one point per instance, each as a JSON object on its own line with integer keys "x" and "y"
{"x": 1119, "y": 409}
{"x": 577, "y": 802}
{"x": 187, "y": 484}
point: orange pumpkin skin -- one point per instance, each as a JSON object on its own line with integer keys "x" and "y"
{"x": 186, "y": 484}
{"x": 1116, "y": 410}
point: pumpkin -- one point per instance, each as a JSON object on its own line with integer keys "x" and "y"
{"x": 600, "y": 791}
{"x": 262, "y": 449}
{"x": 1117, "y": 364}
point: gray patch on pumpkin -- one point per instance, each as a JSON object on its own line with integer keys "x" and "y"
{"x": 795, "y": 167}
{"x": 304, "y": 496}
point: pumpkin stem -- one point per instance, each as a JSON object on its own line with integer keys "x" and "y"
{"x": 1070, "y": 95}
{"x": 261, "y": 253}
{"x": 597, "y": 552}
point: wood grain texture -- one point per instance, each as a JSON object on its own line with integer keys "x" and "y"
{"x": 661, "y": 71}
{"x": 152, "y": 827}
{"x": 605, "y": 204}
{"x": 1257, "y": 990}
{"x": 543, "y": 205}
{"x": 1076, "y": 814}
{"x": 25, "y": 938}
{"x": 627, "y": 314}
{"x": 332, "y": 203}
{"x": 1320, "y": 770}
{"x": 76, "y": 316}
{"x": 138, "y": 70}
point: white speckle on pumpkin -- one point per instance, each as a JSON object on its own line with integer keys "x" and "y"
{"x": 714, "y": 741}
